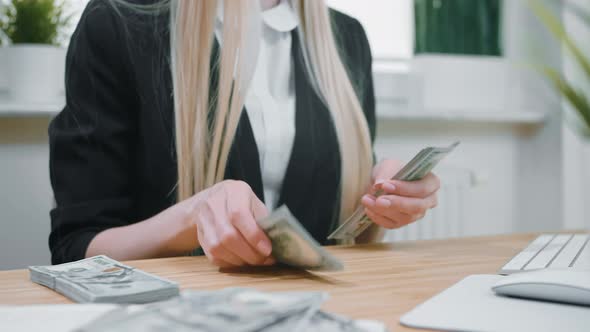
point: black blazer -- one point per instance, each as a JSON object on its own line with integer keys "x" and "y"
{"x": 112, "y": 156}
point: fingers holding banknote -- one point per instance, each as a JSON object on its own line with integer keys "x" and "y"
{"x": 426, "y": 187}
{"x": 226, "y": 215}
{"x": 401, "y": 202}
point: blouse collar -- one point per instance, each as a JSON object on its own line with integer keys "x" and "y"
{"x": 281, "y": 17}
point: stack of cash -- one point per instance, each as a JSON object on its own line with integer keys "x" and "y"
{"x": 232, "y": 309}
{"x": 292, "y": 245}
{"x": 416, "y": 169}
{"x": 100, "y": 279}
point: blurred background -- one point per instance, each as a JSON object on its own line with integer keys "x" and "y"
{"x": 510, "y": 79}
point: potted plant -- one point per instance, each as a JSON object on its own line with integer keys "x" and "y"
{"x": 34, "y": 61}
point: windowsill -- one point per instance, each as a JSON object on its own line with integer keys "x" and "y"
{"x": 508, "y": 118}
{"x": 391, "y": 66}
{"x": 14, "y": 109}
{"x": 24, "y": 110}
{"x": 11, "y": 109}
{"x": 393, "y": 88}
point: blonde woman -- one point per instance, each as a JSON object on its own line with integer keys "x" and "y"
{"x": 187, "y": 120}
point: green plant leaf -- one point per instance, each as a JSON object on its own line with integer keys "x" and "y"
{"x": 576, "y": 98}
{"x": 558, "y": 30}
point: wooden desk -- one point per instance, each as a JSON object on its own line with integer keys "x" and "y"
{"x": 380, "y": 282}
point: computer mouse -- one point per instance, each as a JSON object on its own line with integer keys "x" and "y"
{"x": 563, "y": 285}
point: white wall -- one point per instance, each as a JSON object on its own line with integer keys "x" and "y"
{"x": 540, "y": 186}
{"x": 487, "y": 150}
{"x": 25, "y": 193}
{"x": 576, "y": 150}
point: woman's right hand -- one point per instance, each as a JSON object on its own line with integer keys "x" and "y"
{"x": 225, "y": 216}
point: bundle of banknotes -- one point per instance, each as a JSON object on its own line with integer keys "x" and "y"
{"x": 232, "y": 309}
{"x": 416, "y": 169}
{"x": 292, "y": 245}
{"x": 100, "y": 279}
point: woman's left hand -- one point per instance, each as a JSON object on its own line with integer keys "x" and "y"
{"x": 402, "y": 202}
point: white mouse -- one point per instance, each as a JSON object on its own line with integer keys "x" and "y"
{"x": 567, "y": 286}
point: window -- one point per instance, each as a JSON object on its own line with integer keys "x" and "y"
{"x": 388, "y": 23}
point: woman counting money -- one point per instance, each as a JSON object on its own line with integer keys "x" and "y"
{"x": 188, "y": 120}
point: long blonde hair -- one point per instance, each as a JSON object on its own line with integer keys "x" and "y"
{"x": 203, "y": 146}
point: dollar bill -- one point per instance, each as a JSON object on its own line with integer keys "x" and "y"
{"x": 416, "y": 169}
{"x": 209, "y": 311}
{"x": 101, "y": 279}
{"x": 328, "y": 322}
{"x": 292, "y": 245}
{"x": 232, "y": 309}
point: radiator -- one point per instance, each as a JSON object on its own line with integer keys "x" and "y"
{"x": 447, "y": 220}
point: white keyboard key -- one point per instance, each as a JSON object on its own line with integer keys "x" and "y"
{"x": 525, "y": 256}
{"x": 567, "y": 255}
{"x": 544, "y": 257}
{"x": 583, "y": 260}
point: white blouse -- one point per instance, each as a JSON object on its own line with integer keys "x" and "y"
{"x": 270, "y": 100}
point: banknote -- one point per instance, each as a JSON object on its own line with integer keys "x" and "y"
{"x": 101, "y": 279}
{"x": 232, "y": 309}
{"x": 293, "y": 245}
{"x": 329, "y": 322}
{"x": 416, "y": 169}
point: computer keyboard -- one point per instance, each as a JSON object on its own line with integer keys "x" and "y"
{"x": 552, "y": 251}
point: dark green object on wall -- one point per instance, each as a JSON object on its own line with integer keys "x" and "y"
{"x": 458, "y": 27}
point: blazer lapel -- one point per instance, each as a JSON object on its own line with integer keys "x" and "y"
{"x": 243, "y": 161}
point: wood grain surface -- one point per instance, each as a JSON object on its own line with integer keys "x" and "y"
{"x": 381, "y": 281}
